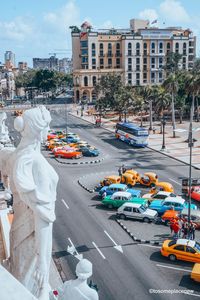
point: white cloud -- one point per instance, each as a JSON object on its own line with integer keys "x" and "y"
{"x": 173, "y": 11}
{"x": 63, "y": 17}
{"x": 16, "y": 30}
{"x": 148, "y": 14}
{"x": 107, "y": 24}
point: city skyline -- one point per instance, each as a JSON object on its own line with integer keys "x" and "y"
{"x": 35, "y": 30}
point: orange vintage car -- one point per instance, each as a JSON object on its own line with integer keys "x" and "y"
{"x": 149, "y": 179}
{"x": 68, "y": 154}
{"x": 130, "y": 177}
{"x": 165, "y": 186}
{"x": 56, "y": 144}
{"x": 181, "y": 249}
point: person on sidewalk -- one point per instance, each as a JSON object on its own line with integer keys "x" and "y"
{"x": 192, "y": 231}
{"x": 176, "y": 229}
{"x": 171, "y": 224}
{"x": 185, "y": 230}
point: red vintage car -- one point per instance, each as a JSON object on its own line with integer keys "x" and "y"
{"x": 68, "y": 154}
{"x": 195, "y": 193}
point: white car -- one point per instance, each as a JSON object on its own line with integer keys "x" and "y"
{"x": 136, "y": 211}
{"x": 161, "y": 195}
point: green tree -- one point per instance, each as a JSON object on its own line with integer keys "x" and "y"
{"x": 162, "y": 102}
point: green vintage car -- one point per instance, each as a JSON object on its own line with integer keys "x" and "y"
{"x": 119, "y": 198}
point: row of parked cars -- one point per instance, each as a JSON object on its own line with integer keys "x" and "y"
{"x": 68, "y": 145}
{"x": 161, "y": 204}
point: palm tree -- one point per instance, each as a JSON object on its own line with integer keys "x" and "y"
{"x": 162, "y": 102}
{"x": 192, "y": 87}
{"x": 171, "y": 85}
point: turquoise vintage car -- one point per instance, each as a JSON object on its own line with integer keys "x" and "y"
{"x": 118, "y": 187}
{"x": 119, "y": 198}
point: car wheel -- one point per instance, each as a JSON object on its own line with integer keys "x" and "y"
{"x": 172, "y": 257}
{"x": 146, "y": 220}
{"x": 110, "y": 206}
{"x": 122, "y": 216}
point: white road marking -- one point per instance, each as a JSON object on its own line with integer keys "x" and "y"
{"x": 174, "y": 268}
{"x": 98, "y": 250}
{"x": 109, "y": 213}
{"x": 117, "y": 247}
{"x": 175, "y": 181}
{"x": 72, "y": 250}
{"x": 65, "y": 204}
{"x": 150, "y": 246}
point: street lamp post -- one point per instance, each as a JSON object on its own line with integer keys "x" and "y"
{"x": 163, "y": 141}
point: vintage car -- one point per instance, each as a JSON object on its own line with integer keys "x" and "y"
{"x": 165, "y": 186}
{"x": 181, "y": 249}
{"x": 170, "y": 203}
{"x": 119, "y": 198}
{"x": 110, "y": 180}
{"x": 160, "y": 196}
{"x": 149, "y": 179}
{"x": 170, "y": 215}
{"x": 130, "y": 177}
{"x": 195, "y": 193}
{"x": 118, "y": 187}
{"x": 89, "y": 151}
{"x": 68, "y": 154}
{"x": 136, "y": 211}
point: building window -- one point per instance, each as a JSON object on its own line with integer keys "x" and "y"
{"x": 152, "y": 77}
{"x": 84, "y": 59}
{"x": 84, "y": 44}
{"x": 153, "y": 47}
{"x": 145, "y": 49}
{"x": 84, "y": 52}
{"x": 160, "y": 62}
{"x": 191, "y": 50}
{"x": 190, "y": 43}
{"x": 101, "y": 49}
{"x": 118, "y": 46}
{"x": 130, "y": 60}
{"x": 101, "y": 63}
{"x": 138, "y": 46}
{"x": 85, "y": 81}
{"x": 160, "y": 47}
{"x": 137, "y": 68}
{"x": 93, "y": 63}
{"x": 145, "y": 75}
{"x": 145, "y": 67}
{"x": 160, "y": 77}
{"x": 129, "y": 76}
{"x": 109, "y": 49}
{"x": 94, "y": 80}
{"x": 168, "y": 46}
{"x": 109, "y": 62}
{"x": 129, "y": 46}
{"x": 184, "y": 60}
{"x": 177, "y": 47}
{"x": 145, "y": 60}
{"x": 153, "y": 62}
{"x": 129, "y": 68}
{"x": 137, "y": 60}
{"x": 118, "y": 63}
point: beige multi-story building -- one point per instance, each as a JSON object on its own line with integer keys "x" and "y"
{"x": 138, "y": 54}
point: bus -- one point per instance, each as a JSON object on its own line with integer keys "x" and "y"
{"x": 132, "y": 134}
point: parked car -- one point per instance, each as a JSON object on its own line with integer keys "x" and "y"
{"x": 149, "y": 179}
{"x": 162, "y": 205}
{"x": 181, "y": 249}
{"x": 89, "y": 151}
{"x": 110, "y": 179}
{"x": 136, "y": 211}
{"x": 68, "y": 154}
{"x": 118, "y": 198}
{"x": 118, "y": 187}
{"x": 161, "y": 196}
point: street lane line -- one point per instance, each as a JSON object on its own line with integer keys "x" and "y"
{"x": 150, "y": 246}
{"x": 98, "y": 250}
{"x": 174, "y": 268}
{"x": 117, "y": 247}
{"x": 175, "y": 181}
{"x": 65, "y": 204}
{"x": 72, "y": 250}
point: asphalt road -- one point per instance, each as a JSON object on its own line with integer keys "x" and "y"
{"x": 127, "y": 275}
{"x": 119, "y": 275}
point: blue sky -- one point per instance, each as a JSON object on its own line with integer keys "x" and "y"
{"x": 34, "y": 28}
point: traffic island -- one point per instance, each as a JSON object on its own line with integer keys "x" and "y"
{"x": 87, "y": 162}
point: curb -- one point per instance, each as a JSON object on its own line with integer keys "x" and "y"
{"x": 83, "y": 186}
{"x": 80, "y": 163}
{"x": 135, "y": 239}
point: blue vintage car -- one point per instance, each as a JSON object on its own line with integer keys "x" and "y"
{"x": 88, "y": 151}
{"x": 71, "y": 139}
{"x": 118, "y": 187}
{"x": 177, "y": 204}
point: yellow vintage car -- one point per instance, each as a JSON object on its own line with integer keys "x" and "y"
{"x": 56, "y": 144}
{"x": 149, "y": 179}
{"x": 195, "y": 274}
{"x": 165, "y": 186}
{"x": 110, "y": 180}
{"x": 130, "y": 177}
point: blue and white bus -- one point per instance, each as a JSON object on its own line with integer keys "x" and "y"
{"x": 132, "y": 134}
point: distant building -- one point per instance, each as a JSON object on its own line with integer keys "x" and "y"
{"x": 9, "y": 59}
{"x": 50, "y": 63}
{"x": 138, "y": 54}
{"x": 22, "y": 66}
{"x": 65, "y": 65}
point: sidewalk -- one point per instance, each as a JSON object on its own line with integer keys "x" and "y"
{"x": 176, "y": 148}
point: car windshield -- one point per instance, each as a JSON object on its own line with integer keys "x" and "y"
{"x": 171, "y": 243}
{"x": 129, "y": 197}
{"x": 142, "y": 208}
{"x": 197, "y": 247}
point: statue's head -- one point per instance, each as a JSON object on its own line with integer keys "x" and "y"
{"x": 84, "y": 269}
{"x": 34, "y": 122}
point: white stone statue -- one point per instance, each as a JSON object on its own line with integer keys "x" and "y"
{"x": 78, "y": 289}
{"x": 33, "y": 183}
{"x": 4, "y": 135}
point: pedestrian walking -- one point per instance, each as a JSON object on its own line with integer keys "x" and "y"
{"x": 171, "y": 224}
{"x": 123, "y": 169}
{"x": 185, "y": 230}
{"x": 120, "y": 171}
{"x": 176, "y": 229}
{"x": 192, "y": 231}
